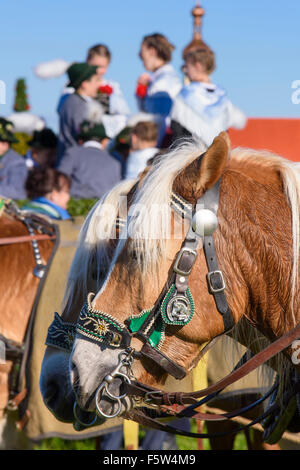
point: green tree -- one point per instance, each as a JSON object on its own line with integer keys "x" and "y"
{"x": 21, "y": 103}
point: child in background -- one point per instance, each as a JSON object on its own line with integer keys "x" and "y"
{"x": 157, "y": 88}
{"x": 49, "y": 193}
{"x": 202, "y": 108}
{"x": 110, "y": 95}
{"x": 144, "y": 137}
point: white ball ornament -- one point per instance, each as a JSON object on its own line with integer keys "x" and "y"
{"x": 204, "y": 222}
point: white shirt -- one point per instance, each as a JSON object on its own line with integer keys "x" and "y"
{"x": 137, "y": 161}
{"x": 92, "y": 143}
{"x": 205, "y": 110}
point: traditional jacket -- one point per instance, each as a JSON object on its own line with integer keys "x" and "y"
{"x": 161, "y": 91}
{"x": 73, "y": 111}
{"x": 204, "y": 110}
{"x": 13, "y": 174}
{"x": 115, "y": 110}
{"x": 92, "y": 169}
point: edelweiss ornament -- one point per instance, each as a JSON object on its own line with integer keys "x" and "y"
{"x": 101, "y": 327}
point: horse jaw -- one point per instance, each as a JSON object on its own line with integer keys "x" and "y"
{"x": 55, "y": 384}
{"x": 89, "y": 365}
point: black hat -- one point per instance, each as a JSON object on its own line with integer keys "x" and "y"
{"x": 43, "y": 139}
{"x": 6, "y": 131}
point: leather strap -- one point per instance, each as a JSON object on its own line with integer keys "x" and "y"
{"x": 156, "y": 396}
{"x": 163, "y": 361}
{"x": 141, "y": 418}
{"x": 25, "y": 238}
{"x": 216, "y": 283}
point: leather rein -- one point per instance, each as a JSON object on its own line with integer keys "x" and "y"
{"x": 175, "y": 306}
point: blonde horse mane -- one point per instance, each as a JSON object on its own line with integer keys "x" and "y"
{"x": 93, "y": 241}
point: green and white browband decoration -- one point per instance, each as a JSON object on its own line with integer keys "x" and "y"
{"x": 176, "y": 309}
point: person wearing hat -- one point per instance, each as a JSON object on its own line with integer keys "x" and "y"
{"x": 13, "y": 170}
{"x": 92, "y": 169}
{"x": 43, "y": 149}
{"x": 78, "y": 106}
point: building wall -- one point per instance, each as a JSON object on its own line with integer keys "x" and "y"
{"x": 281, "y": 136}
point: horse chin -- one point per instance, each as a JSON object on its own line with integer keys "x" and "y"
{"x": 55, "y": 385}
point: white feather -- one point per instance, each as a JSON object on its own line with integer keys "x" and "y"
{"x": 26, "y": 122}
{"x": 52, "y": 69}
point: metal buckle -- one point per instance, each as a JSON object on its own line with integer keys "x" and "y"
{"x": 212, "y": 289}
{"x": 179, "y": 271}
{"x": 148, "y": 396}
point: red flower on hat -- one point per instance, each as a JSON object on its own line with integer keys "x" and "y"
{"x": 107, "y": 89}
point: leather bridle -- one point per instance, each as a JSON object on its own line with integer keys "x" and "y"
{"x": 98, "y": 326}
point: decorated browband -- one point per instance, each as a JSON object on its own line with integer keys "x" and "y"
{"x": 101, "y": 327}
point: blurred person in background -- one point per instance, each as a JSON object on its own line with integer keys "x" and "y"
{"x": 48, "y": 191}
{"x": 144, "y": 136}
{"x": 43, "y": 149}
{"x": 157, "y": 88}
{"x": 203, "y": 108}
{"x": 13, "y": 169}
{"x": 78, "y": 106}
{"x": 92, "y": 169}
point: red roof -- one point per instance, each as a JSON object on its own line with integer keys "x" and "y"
{"x": 281, "y": 136}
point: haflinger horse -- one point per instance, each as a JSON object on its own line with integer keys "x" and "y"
{"x": 26, "y": 244}
{"x": 157, "y": 307}
{"x": 96, "y": 245}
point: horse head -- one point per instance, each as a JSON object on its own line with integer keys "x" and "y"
{"x": 138, "y": 275}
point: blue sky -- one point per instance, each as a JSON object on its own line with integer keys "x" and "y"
{"x": 257, "y": 45}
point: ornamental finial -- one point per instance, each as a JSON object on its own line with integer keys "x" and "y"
{"x": 198, "y": 12}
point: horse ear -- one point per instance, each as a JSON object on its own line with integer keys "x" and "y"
{"x": 214, "y": 161}
{"x": 205, "y": 171}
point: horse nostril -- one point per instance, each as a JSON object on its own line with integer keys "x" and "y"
{"x": 52, "y": 392}
{"x": 74, "y": 377}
